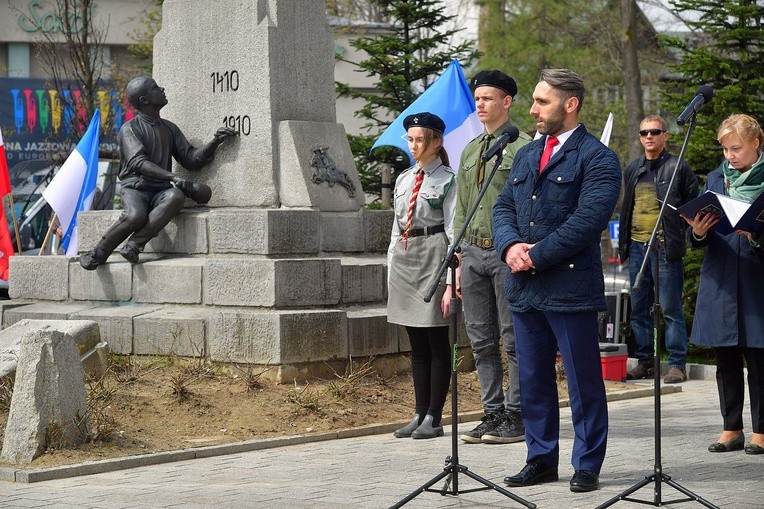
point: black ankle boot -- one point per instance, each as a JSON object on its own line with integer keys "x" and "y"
{"x": 427, "y": 430}
{"x": 90, "y": 261}
{"x": 408, "y": 429}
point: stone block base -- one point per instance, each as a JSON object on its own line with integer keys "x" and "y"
{"x": 171, "y": 331}
{"x": 296, "y": 288}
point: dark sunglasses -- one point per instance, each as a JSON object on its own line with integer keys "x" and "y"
{"x": 654, "y": 132}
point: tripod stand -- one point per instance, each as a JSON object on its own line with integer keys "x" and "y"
{"x": 658, "y": 476}
{"x": 453, "y": 468}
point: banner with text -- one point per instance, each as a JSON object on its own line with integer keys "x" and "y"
{"x": 38, "y": 121}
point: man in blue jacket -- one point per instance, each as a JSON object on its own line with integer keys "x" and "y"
{"x": 547, "y": 225}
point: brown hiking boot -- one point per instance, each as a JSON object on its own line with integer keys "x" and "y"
{"x": 675, "y": 376}
{"x": 641, "y": 371}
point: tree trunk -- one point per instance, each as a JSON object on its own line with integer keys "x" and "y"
{"x": 631, "y": 75}
{"x": 491, "y": 15}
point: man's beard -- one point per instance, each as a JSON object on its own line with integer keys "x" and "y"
{"x": 554, "y": 124}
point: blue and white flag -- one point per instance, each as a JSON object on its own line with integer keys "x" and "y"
{"x": 72, "y": 189}
{"x": 450, "y": 98}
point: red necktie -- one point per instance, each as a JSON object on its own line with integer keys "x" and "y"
{"x": 551, "y": 142}
{"x": 412, "y": 204}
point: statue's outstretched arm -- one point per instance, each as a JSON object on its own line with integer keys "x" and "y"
{"x": 219, "y": 137}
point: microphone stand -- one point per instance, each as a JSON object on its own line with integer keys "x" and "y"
{"x": 453, "y": 468}
{"x": 658, "y": 476}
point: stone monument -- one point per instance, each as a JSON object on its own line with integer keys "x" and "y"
{"x": 265, "y": 68}
{"x": 283, "y": 266}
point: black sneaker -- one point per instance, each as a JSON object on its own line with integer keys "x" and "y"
{"x": 487, "y": 423}
{"x": 509, "y": 430}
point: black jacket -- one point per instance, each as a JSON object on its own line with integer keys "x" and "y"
{"x": 685, "y": 188}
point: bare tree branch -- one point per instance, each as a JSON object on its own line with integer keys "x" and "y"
{"x": 73, "y": 59}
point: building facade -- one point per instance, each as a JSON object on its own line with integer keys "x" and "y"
{"x": 38, "y": 118}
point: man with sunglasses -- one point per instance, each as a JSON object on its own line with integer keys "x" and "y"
{"x": 646, "y": 181}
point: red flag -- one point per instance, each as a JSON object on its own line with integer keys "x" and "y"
{"x": 6, "y": 246}
{"x": 5, "y": 178}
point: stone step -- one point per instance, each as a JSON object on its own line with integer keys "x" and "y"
{"x": 285, "y": 231}
{"x": 230, "y": 334}
{"x": 85, "y": 333}
{"x": 297, "y": 344}
{"x": 218, "y": 280}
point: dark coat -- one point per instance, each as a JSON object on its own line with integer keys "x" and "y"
{"x": 684, "y": 189}
{"x": 730, "y": 306}
{"x": 563, "y": 212}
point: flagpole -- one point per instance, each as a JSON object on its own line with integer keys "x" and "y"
{"x": 47, "y": 235}
{"x": 15, "y": 224}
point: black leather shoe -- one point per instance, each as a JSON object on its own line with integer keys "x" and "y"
{"x": 585, "y": 480}
{"x": 532, "y": 473}
{"x": 735, "y": 444}
{"x": 754, "y": 449}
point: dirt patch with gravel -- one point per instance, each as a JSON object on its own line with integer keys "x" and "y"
{"x": 145, "y": 405}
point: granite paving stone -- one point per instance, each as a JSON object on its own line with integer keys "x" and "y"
{"x": 376, "y": 471}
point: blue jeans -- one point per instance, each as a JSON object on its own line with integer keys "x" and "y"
{"x": 489, "y": 323}
{"x": 670, "y": 280}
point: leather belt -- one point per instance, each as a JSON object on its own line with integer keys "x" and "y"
{"x": 427, "y": 230}
{"x": 480, "y": 242}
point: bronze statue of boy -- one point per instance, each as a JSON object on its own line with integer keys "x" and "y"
{"x": 151, "y": 193}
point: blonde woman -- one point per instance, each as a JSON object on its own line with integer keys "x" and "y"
{"x": 729, "y": 314}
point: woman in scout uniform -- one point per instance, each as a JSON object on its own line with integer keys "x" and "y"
{"x": 425, "y": 197}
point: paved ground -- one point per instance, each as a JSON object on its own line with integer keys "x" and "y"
{"x": 378, "y": 471}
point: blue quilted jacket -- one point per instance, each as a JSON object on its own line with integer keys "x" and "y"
{"x": 563, "y": 212}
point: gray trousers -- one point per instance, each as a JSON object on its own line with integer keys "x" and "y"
{"x": 488, "y": 321}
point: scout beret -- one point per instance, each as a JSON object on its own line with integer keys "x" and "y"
{"x": 424, "y": 119}
{"x": 494, "y": 79}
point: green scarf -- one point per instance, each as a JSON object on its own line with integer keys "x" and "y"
{"x": 745, "y": 186}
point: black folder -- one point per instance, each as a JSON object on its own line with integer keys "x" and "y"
{"x": 733, "y": 214}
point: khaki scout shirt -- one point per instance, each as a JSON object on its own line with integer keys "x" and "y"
{"x": 435, "y": 203}
{"x": 480, "y": 226}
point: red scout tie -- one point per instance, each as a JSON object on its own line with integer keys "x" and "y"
{"x": 412, "y": 204}
{"x": 551, "y": 142}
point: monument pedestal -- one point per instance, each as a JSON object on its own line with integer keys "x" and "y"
{"x": 284, "y": 267}
{"x": 298, "y": 289}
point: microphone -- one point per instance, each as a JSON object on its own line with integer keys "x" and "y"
{"x": 507, "y": 136}
{"x": 702, "y": 96}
